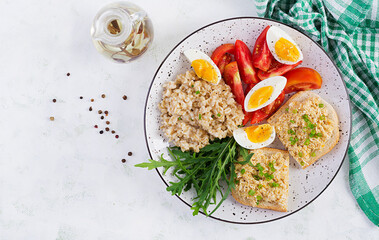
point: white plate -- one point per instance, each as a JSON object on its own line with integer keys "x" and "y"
{"x": 304, "y": 185}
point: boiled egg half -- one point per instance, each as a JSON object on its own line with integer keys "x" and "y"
{"x": 264, "y": 93}
{"x": 203, "y": 65}
{"x": 254, "y": 137}
{"x": 283, "y": 47}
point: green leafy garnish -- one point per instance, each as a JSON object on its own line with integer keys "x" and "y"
{"x": 197, "y": 92}
{"x": 199, "y": 116}
{"x": 322, "y": 117}
{"x": 321, "y": 105}
{"x": 287, "y": 109}
{"x": 259, "y": 197}
{"x": 179, "y": 118}
{"x": 274, "y": 184}
{"x": 192, "y": 85}
{"x": 202, "y": 171}
{"x": 302, "y": 163}
{"x": 251, "y": 192}
{"x": 246, "y": 156}
{"x": 271, "y": 166}
{"x": 260, "y": 186}
{"x": 300, "y": 154}
{"x": 293, "y": 140}
{"x": 294, "y": 111}
{"x": 313, "y": 154}
{"x": 318, "y": 134}
{"x": 292, "y": 121}
{"x": 268, "y": 176}
{"x": 243, "y": 171}
{"x": 218, "y": 115}
{"x": 292, "y": 132}
{"x": 307, "y": 141}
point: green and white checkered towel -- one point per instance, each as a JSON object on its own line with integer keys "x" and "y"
{"x": 349, "y": 31}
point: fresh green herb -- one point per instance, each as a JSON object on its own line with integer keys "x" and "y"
{"x": 274, "y": 184}
{"x": 259, "y": 167}
{"x": 256, "y": 177}
{"x": 287, "y": 109}
{"x": 213, "y": 116}
{"x": 243, "y": 171}
{"x": 245, "y": 155}
{"x": 237, "y": 181}
{"x": 199, "y": 116}
{"x": 293, "y": 140}
{"x": 313, "y": 154}
{"x": 260, "y": 186}
{"x": 268, "y": 176}
{"x": 305, "y": 117}
{"x": 322, "y": 117}
{"x": 313, "y": 133}
{"x": 311, "y": 125}
{"x": 318, "y": 134}
{"x": 251, "y": 192}
{"x": 302, "y": 163}
{"x": 292, "y": 121}
{"x": 197, "y": 92}
{"x": 294, "y": 111}
{"x": 307, "y": 141}
{"x": 271, "y": 166}
{"x": 192, "y": 85}
{"x": 321, "y": 105}
{"x": 202, "y": 171}
{"x": 179, "y": 118}
{"x": 259, "y": 197}
{"x": 300, "y": 154}
{"x": 218, "y": 115}
{"x": 292, "y": 132}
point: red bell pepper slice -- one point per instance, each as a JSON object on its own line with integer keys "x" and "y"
{"x": 220, "y": 51}
{"x": 262, "y": 56}
{"x": 277, "y": 69}
{"x": 225, "y": 60}
{"x": 245, "y": 65}
{"x": 232, "y": 78}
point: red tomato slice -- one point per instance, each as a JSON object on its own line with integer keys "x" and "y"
{"x": 247, "y": 118}
{"x": 232, "y": 78}
{"x": 225, "y": 60}
{"x": 303, "y": 78}
{"x": 277, "y": 69}
{"x": 245, "y": 64}
{"x": 272, "y": 107}
{"x": 258, "y": 116}
{"x": 267, "y": 111}
{"x": 248, "y": 88}
{"x": 262, "y": 56}
{"x": 220, "y": 51}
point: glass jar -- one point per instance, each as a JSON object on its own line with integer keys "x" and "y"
{"x": 122, "y": 31}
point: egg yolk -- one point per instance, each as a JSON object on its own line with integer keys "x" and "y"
{"x": 286, "y": 50}
{"x": 260, "y": 96}
{"x": 258, "y": 134}
{"x": 205, "y": 70}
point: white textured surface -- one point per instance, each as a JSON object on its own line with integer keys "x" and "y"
{"x": 62, "y": 180}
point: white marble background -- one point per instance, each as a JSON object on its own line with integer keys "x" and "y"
{"x": 63, "y": 180}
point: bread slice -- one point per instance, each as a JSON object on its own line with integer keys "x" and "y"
{"x": 325, "y": 118}
{"x": 257, "y": 190}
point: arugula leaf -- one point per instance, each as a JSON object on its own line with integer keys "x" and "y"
{"x": 202, "y": 171}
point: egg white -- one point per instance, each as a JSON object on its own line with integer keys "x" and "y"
{"x": 194, "y": 54}
{"x": 278, "y": 83}
{"x": 273, "y": 35}
{"x": 241, "y": 138}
